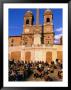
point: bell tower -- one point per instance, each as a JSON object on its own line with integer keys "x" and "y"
{"x": 28, "y": 22}
{"x": 48, "y": 28}
{"x": 27, "y": 35}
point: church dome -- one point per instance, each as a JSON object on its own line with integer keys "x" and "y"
{"x": 28, "y": 13}
{"x": 48, "y": 11}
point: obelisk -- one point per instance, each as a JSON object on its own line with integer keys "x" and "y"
{"x": 37, "y": 36}
{"x": 37, "y": 17}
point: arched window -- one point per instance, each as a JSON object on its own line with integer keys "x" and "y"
{"x": 11, "y": 44}
{"x": 48, "y": 36}
{"x": 48, "y": 20}
{"x": 48, "y": 42}
{"x": 27, "y": 21}
{"x": 12, "y": 40}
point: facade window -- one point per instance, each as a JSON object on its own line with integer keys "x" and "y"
{"x": 48, "y": 42}
{"x": 11, "y": 44}
{"x": 48, "y": 20}
{"x": 25, "y": 43}
{"x": 48, "y": 36}
{"x": 27, "y": 21}
{"x": 12, "y": 41}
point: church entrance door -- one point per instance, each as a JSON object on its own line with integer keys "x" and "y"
{"x": 49, "y": 57}
{"x": 27, "y": 56}
{"x": 16, "y": 55}
{"x": 59, "y": 55}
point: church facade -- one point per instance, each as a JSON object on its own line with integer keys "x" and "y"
{"x": 36, "y": 43}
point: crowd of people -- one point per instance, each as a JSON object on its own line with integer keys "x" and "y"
{"x": 20, "y": 71}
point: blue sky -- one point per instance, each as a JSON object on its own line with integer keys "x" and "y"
{"x": 16, "y": 21}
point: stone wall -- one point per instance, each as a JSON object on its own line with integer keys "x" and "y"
{"x": 36, "y": 53}
{"x": 14, "y": 41}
